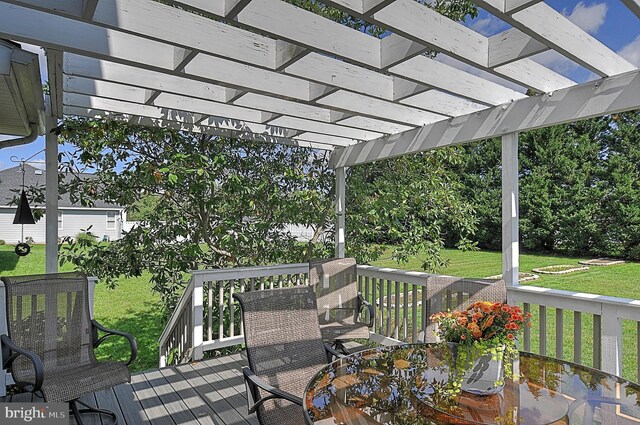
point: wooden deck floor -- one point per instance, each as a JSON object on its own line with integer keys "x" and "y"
{"x": 209, "y": 392}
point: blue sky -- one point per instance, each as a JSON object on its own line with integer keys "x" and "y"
{"x": 608, "y": 20}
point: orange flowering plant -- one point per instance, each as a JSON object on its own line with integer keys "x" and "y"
{"x": 483, "y": 328}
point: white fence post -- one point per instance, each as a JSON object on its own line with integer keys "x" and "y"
{"x": 340, "y": 200}
{"x": 197, "y": 298}
{"x": 611, "y": 340}
{"x": 510, "y": 233}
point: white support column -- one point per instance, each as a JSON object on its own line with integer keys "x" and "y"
{"x": 51, "y": 215}
{"x": 611, "y": 338}
{"x": 197, "y": 299}
{"x": 340, "y": 200}
{"x": 510, "y": 233}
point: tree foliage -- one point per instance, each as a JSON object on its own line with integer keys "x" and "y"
{"x": 408, "y": 202}
{"x": 221, "y": 202}
{"x": 579, "y": 187}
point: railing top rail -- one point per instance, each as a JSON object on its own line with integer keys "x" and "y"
{"x": 577, "y": 301}
{"x": 249, "y": 272}
{"x": 186, "y": 295}
{"x": 398, "y": 275}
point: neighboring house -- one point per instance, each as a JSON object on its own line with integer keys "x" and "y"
{"x": 104, "y": 219}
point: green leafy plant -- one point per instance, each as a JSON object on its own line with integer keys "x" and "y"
{"x": 86, "y": 239}
{"x": 482, "y": 329}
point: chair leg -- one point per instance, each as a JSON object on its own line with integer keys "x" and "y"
{"x": 339, "y": 346}
{"x": 73, "y": 405}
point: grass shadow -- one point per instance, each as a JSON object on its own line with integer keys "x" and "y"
{"x": 145, "y": 325}
{"x": 8, "y": 261}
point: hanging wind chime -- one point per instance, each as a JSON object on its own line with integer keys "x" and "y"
{"x": 23, "y": 216}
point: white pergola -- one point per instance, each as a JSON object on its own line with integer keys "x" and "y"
{"x": 265, "y": 70}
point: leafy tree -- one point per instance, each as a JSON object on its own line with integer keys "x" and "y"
{"x": 221, "y": 202}
{"x": 408, "y": 202}
{"x": 458, "y": 10}
{"x": 143, "y": 208}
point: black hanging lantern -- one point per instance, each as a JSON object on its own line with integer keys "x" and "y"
{"x": 23, "y": 213}
{"x": 23, "y": 216}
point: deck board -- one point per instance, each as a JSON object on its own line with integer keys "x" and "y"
{"x": 208, "y": 392}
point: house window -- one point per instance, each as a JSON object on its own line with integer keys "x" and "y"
{"x": 59, "y": 220}
{"x": 111, "y": 220}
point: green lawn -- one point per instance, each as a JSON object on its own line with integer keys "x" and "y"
{"x": 617, "y": 281}
{"x": 130, "y": 307}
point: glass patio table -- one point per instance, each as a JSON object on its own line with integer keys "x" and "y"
{"x": 402, "y": 385}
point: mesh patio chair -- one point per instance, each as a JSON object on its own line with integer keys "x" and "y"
{"x": 449, "y": 293}
{"x": 51, "y": 338}
{"x": 335, "y": 283}
{"x": 284, "y": 349}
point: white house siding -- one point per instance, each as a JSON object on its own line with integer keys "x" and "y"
{"x": 73, "y": 221}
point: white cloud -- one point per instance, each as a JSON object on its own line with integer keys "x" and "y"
{"x": 631, "y": 52}
{"x": 590, "y": 18}
{"x": 488, "y": 26}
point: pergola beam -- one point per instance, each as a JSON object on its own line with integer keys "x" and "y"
{"x": 182, "y": 126}
{"x": 633, "y": 5}
{"x": 225, "y": 125}
{"x": 609, "y": 95}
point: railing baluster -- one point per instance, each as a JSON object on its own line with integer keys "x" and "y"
{"x": 423, "y": 324}
{"x": 542, "y": 313}
{"x": 209, "y": 310}
{"x": 638, "y": 351}
{"x": 559, "y": 333}
{"x": 597, "y": 341}
{"x": 414, "y": 314}
{"x": 388, "y": 333}
{"x": 270, "y": 282}
{"x": 376, "y": 322}
{"x": 381, "y": 305}
{"x": 527, "y": 330}
{"x": 405, "y": 311}
{"x": 221, "y": 308}
{"x": 366, "y": 289}
{"x": 262, "y": 283}
{"x": 232, "y": 310}
{"x": 396, "y": 312}
{"x": 577, "y": 337}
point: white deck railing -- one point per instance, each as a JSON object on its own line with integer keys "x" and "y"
{"x": 207, "y": 318}
{"x": 589, "y": 325}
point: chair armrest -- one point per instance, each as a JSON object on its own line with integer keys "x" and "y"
{"x": 16, "y": 351}
{"x": 364, "y": 303}
{"x": 332, "y": 352}
{"x": 110, "y": 332}
{"x": 252, "y": 383}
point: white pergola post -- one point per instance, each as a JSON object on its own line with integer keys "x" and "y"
{"x": 340, "y": 200}
{"x": 510, "y": 244}
{"x": 51, "y": 215}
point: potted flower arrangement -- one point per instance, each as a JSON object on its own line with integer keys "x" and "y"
{"x": 481, "y": 343}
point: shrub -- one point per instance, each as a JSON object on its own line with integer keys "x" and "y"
{"x": 2, "y": 242}
{"x": 86, "y": 238}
